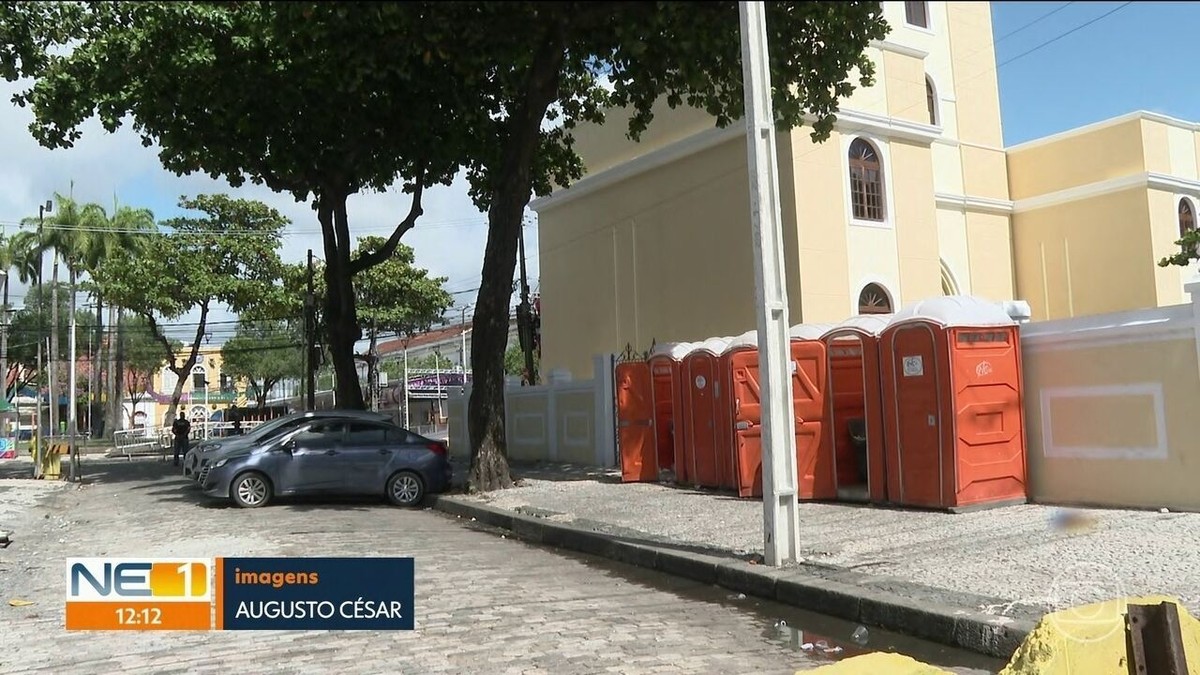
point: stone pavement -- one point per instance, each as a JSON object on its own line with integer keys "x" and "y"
{"x": 1011, "y": 561}
{"x": 484, "y": 604}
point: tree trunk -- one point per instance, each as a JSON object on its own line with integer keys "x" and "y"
{"x": 513, "y": 188}
{"x": 94, "y": 420}
{"x": 184, "y": 371}
{"x": 54, "y": 384}
{"x": 115, "y": 387}
{"x": 341, "y": 317}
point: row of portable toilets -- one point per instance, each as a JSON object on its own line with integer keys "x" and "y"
{"x": 918, "y": 408}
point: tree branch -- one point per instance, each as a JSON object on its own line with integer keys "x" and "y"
{"x": 369, "y": 260}
{"x": 157, "y": 334}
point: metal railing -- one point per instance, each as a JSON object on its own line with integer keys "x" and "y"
{"x": 153, "y": 440}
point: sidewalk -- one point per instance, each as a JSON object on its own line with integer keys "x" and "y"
{"x": 1012, "y": 563}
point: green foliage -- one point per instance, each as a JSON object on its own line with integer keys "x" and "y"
{"x": 395, "y": 296}
{"x": 263, "y": 353}
{"x": 33, "y": 322}
{"x": 430, "y": 362}
{"x": 514, "y": 360}
{"x": 227, "y": 256}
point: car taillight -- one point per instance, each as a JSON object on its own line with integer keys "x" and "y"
{"x": 437, "y": 448}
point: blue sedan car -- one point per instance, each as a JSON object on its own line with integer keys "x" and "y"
{"x": 331, "y": 456}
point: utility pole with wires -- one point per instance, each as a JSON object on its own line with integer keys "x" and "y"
{"x": 462, "y": 354}
{"x": 525, "y": 317}
{"x": 39, "y": 438}
{"x": 310, "y": 335}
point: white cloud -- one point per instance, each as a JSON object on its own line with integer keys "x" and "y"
{"x": 449, "y": 238}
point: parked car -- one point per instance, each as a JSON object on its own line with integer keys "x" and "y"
{"x": 197, "y": 456}
{"x": 331, "y": 456}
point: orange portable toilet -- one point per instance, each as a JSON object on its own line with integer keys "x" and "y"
{"x": 702, "y": 400}
{"x": 741, "y": 451}
{"x": 814, "y": 437}
{"x": 814, "y": 461}
{"x": 855, "y": 407}
{"x": 668, "y": 405}
{"x": 952, "y": 404}
{"x": 635, "y": 423}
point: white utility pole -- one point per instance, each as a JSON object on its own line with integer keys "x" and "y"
{"x": 72, "y": 383}
{"x": 462, "y": 358}
{"x": 404, "y": 341}
{"x": 781, "y": 517}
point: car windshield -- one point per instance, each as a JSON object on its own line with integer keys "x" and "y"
{"x": 265, "y": 429}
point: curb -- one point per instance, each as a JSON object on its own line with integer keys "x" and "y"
{"x": 956, "y": 627}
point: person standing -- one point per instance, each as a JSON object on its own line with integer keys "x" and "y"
{"x": 181, "y": 428}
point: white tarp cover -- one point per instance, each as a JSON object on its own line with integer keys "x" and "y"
{"x": 715, "y": 345}
{"x": 871, "y": 324}
{"x": 809, "y": 331}
{"x": 954, "y": 310}
{"x": 674, "y": 350}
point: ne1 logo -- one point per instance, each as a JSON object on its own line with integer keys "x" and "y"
{"x": 139, "y": 579}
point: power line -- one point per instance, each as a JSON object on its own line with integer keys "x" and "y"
{"x": 1031, "y": 23}
{"x": 1063, "y": 35}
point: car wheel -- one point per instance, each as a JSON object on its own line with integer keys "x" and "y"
{"x": 251, "y": 490}
{"x": 405, "y": 489}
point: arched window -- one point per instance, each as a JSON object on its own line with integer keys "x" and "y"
{"x": 949, "y": 286}
{"x": 931, "y": 101}
{"x": 866, "y": 181}
{"x": 874, "y": 300}
{"x": 199, "y": 378}
{"x": 1187, "y": 221}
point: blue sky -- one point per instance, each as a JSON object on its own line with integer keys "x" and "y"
{"x": 1142, "y": 57}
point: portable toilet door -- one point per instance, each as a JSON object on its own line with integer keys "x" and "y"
{"x": 744, "y": 427}
{"x": 952, "y": 404}
{"x": 814, "y": 440}
{"x": 702, "y": 400}
{"x": 635, "y": 423}
{"x": 668, "y": 405}
{"x": 854, "y": 396}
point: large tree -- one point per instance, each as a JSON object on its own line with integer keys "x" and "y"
{"x": 228, "y": 255}
{"x": 143, "y": 359}
{"x": 358, "y": 101}
{"x": 263, "y": 353}
{"x": 372, "y": 93}
{"x": 395, "y": 296}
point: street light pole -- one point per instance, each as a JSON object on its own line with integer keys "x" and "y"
{"x": 39, "y": 439}
{"x": 4, "y": 351}
{"x": 781, "y": 517}
{"x": 404, "y": 341}
{"x": 72, "y": 383}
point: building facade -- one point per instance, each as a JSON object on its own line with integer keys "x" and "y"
{"x": 206, "y": 391}
{"x": 1096, "y": 208}
{"x": 908, "y": 198}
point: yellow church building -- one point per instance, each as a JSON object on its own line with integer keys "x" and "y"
{"x": 913, "y": 195}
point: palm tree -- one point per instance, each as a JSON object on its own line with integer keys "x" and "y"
{"x": 23, "y": 255}
{"x": 106, "y": 235}
{"x": 13, "y": 258}
{"x": 57, "y": 236}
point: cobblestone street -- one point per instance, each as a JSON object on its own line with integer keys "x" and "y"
{"x": 484, "y": 604}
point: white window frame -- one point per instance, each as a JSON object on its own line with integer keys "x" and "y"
{"x": 882, "y": 284}
{"x": 918, "y": 27}
{"x": 937, "y": 101}
{"x": 885, "y": 166}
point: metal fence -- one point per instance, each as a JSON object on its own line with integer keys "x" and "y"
{"x": 154, "y": 440}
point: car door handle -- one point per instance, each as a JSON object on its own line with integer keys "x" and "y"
{"x": 384, "y": 451}
{"x": 331, "y": 452}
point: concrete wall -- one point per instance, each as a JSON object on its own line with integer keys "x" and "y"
{"x": 1110, "y": 408}
{"x": 562, "y": 421}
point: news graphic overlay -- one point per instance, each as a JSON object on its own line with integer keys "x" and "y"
{"x": 314, "y": 593}
{"x": 139, "y": 594}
